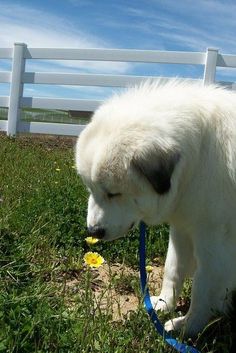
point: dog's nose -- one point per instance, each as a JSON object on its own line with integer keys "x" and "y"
{"x": 96, "y": 232}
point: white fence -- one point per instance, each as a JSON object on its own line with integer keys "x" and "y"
{"x": 210, "y": 59}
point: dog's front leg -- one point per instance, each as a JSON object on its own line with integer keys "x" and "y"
{"x": 209, "y": 290}
{"x": 180, "y": 263}
{"x": 200, "y": 311}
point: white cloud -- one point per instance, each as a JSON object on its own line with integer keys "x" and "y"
{"x": 74, "y": 92}
{"x": 40, "y": 29}
{"x": 185, "y": 25}
{"x": 188, "y": 24}
{"x": 72, "y": 66}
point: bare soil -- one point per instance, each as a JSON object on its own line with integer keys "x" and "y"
{"x": 123, "y": 298}
{"x": 44, "y": 141}
{"x": 116, "y": 287}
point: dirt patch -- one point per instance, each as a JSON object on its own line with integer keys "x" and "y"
{"x": 45, "y": 141}
{"x": 123, "y": 297}
{"x": 116, "y": 288}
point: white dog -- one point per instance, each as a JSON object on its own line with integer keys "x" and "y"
{"x": 167, "y": 153}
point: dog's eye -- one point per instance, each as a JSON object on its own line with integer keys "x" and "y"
{"x": 111, "y": 195}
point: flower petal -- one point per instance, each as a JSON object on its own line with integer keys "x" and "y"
{"x": 149, "y": 268}
{"x": 93, "y": 259}
{"x": 91, "y": 240}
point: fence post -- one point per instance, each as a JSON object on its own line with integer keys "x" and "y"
{"x": 210, "y": 66}
{"x": 16, "y": 90}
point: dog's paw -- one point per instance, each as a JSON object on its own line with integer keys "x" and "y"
{"x": 160, "y": 304}
{"x": 176, "y": 324}
{"x": 183, "y": 324}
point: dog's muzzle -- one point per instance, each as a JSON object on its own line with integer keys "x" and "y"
{"x": 96, "y": 232}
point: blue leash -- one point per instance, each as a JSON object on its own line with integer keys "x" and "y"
{"x": 178, "y": 346}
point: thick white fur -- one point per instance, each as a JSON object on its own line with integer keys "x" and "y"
{"x": 198, "y": 123}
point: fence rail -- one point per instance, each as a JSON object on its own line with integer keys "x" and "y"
{"x": 18, "y": 77}
{"x": 125, "y": 55}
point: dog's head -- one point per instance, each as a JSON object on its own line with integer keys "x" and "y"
{"x": 129, "y": 170}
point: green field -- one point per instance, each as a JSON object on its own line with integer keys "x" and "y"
{"x": 43, "y": 115}
{"x": 49, "y": 300}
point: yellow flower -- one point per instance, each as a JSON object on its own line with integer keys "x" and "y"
{"x": 93, "y": 259}
{"x": 91, "y": 240}
{"x": 149, "y": 268}
{"x": 58, "y": 169}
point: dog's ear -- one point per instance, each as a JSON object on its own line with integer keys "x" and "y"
{"x": 157, "y": 167}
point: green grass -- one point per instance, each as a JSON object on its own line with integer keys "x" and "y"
{"x": 42, "y": 229}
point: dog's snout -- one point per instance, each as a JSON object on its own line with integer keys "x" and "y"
{"x": 96, "y": 232}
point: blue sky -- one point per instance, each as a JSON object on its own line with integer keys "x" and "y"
{"x": 184, "y": 25}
